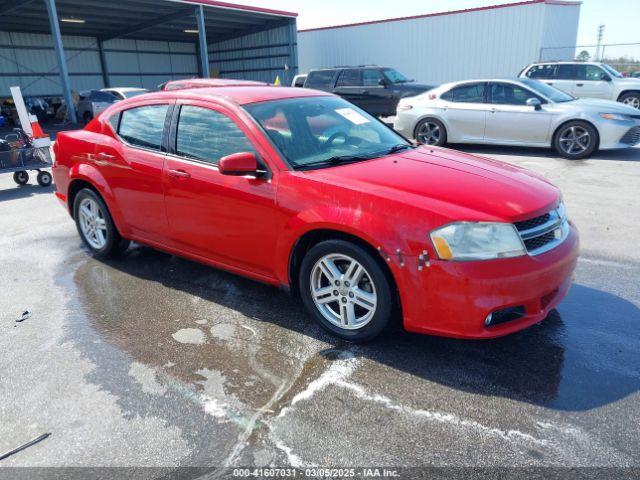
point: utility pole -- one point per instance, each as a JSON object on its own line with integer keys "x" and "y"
{"x": 600, "y": 36}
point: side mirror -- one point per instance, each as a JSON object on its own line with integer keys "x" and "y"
{"x": 382, "y": 82}
{"x": 534, "y": 102}
{"x": 239, "y": 164}
{"x": 607, "y": 78}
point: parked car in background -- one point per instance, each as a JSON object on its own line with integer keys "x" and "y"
{"x": 635, "y": 74}
{"x": 125, "y": 92}
{"x": 300, "y": 189}
{"x": 374, "y": 89}
{"x": 208, "y": 83}
{"x": 521, "y": 112}
{"x": 92, "y": 102}
{"x": 587, "y": 80}
{"x": 298, "y": 80}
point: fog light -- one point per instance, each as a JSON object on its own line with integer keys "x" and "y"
{"x": 487, "y": 321}
{"x": 504, "y": 315}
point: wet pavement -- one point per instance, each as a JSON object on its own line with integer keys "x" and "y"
{"x": 155, "y": 360}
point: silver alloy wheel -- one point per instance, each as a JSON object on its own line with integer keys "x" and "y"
{"x": 574, "y": 140}
{"x": 343, "y": 291}
{"x": 428, "y": 133}
{"x": 632, "y": 102}
{"x": 92, "y": 223}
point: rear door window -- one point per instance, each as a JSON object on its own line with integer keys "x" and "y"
{"x": 143, "y": 126}
{"x": 566, "y": 72}
{"x": 372, "y": 78}
{"x": 471, "y": 93}
{"x": 208, "y": 135}
{"x": 349, "y": 78}
{"x": 320, "y": 79}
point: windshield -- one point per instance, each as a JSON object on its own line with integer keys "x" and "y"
{"x": 134, "y": 93}
{"x": 612, "y": 70}
{"x": 323, "y": 131}
{"x": 395, "y": 76}
{"x": 548, "y": 91}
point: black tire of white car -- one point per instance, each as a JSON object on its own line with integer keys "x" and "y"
{"x": 435, "y": 124}
{"x": 578, "y": 152}
{"x": 631, "y": 98}
{"x": 382, "y": 315}
{"x": 114, "y": 245}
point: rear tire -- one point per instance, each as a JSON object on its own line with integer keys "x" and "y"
{"x": 95, "y": 225}
{"x": 430, "y": 131}
{"x": 632, "y": 99}
{"x": 345, "y": 289}
{"x": 576, "y": 140}
{"x": 21, "y": 178}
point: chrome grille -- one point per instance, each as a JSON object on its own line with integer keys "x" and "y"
{"x": 543, "y": 233}
{"x": 632, "y": 137}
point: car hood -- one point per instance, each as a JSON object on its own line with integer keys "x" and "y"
{"x": 410, "y": 89}
{"x": 450, "y": 183}
{"x": 602, "y": 106}
{"x": 630, "y": 81}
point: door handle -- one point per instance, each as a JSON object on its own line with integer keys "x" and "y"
{"x": 105, "y": 156}
{"x": 550, "y": 83}
{"x": 179, "y": 174}
{"x": 579, "y": 84}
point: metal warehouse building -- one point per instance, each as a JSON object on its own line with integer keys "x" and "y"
{"x": 50, "y": 47}
{"x": 496, "y": 41}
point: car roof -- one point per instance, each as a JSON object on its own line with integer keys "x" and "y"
{"x": 568, "y": 62}
{"x": 123, "y": 89}
{"x": 241, "y": 95}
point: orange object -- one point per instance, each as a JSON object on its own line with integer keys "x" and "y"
{"x": 37, "y": 130}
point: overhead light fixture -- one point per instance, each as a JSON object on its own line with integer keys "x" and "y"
{"x": 190, "y": 31}
{"x": 72, "y": 20}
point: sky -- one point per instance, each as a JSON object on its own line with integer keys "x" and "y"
{"x": 620, "y": 17}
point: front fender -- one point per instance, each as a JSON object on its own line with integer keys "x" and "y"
{"x": 372, "y": 229}
{"x": 90, "y": 174}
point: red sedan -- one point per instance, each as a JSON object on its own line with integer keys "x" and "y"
{"x": 302, "y": 190}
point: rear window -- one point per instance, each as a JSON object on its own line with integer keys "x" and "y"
{"x": 97, "y": 96}
{"x": 320, "y": 79}
{"x": 143, "y": 126}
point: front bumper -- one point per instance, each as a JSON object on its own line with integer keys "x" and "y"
{"x": 618, "y": 134}
{"x": 453, "y": 299}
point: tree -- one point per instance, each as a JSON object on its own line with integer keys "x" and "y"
{"x": 583, "y": 56}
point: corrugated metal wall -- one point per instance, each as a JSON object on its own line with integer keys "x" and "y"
{"x": 560, "y": 32}
{"x": 28, "y": 60}
{"x": 146, "y": 63}
{"x": 259, "y": 56}
{"x": 484, "y": 43}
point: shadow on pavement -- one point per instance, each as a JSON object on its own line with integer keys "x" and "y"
{"x": 24, "y": 191}
{"x": 584, "y": 356}
{"x": 626, "y": 154}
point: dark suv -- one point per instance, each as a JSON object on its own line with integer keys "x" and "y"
{"x": 374, "y": 89}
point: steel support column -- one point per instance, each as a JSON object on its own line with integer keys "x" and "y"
{"x": 62, "y": 62}
{"x": 293, "y": 58}
{"x": 202, "y": 42}
{"x": 103, "y": 65}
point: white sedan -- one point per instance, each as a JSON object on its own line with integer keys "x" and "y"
{"x": 521, "y": 112}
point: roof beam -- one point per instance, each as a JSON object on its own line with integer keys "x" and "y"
{"x": 248, "y": 31}
{"x": 11, "y": 5}
{"x": 148, "y": 24}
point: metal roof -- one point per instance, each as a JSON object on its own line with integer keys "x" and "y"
{"x": 141, "y": 19}
{"x": 452, "y": 12}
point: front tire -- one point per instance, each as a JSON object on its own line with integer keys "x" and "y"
{"x": 430, "y": 131}
{"x": 575, "y": 140}
{"x": 95, "y": 225}
{"x": 345, "y": 289}
{"x": 632, "y": 99}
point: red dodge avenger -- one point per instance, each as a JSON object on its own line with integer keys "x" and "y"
{"x": 303, "y": 190}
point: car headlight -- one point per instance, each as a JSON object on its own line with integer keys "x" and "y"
{"x": 615, "y": 116}
{"x": 477, "y": 241}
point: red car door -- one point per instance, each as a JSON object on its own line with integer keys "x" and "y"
{"x": 132, "y": 163}
{"x": 227, "y": 219}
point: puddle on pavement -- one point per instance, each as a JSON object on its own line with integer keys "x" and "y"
{"x": 227, "y": 337}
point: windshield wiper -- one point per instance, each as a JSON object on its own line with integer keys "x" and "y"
{"x": 335, "y": 160}
{"x": 399, "y": 147}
